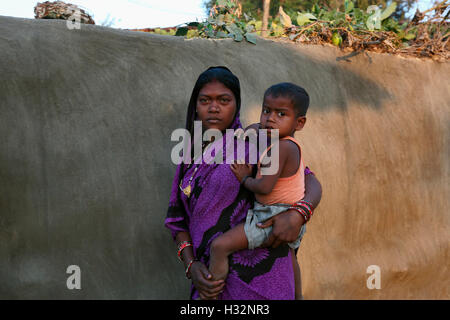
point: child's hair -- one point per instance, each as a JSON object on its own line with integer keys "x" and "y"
{"x": 298, "y": 96}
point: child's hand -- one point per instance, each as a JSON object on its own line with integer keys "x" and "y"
{"x": 241, "y": 170}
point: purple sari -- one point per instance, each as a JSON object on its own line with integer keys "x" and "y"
{"x": 217, "y": 203}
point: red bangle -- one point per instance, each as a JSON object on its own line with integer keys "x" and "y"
{"x": 303, "y": 213}
{"x": 305, "y": 205}
{"x": 302, "y": 210}
{"x": 188, "y": 269}
{"x": 181, "y": 246}
{"x": 306, "y": 209}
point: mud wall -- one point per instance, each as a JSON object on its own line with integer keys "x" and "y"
{"x": 85, "y": 171}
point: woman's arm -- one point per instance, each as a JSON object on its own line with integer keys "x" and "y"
{"x": 187, "y": 254}
{"x": 287, "y": 225}
{"x": 313, "y": 190}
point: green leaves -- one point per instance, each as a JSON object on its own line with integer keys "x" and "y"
{"x": 235, "y": 32}
{"x": 238, "y": 31}
{"x": 336, "y": 39}
{"x": 348, "y": 5}
{"x": 284, "y": 18}
{"x": 221, "y": 34}
{"x": 316, "y": 9}
{"x": 304, "y": 18}
{"x": 225, "y": 22}
{"x": 251, "y": 37}
{"x": 222, "y": 2}
{"x": 220, "y": 20}
{"x": 374, "y": 21}
{"x": 407, "y": 35}
{"x": 182, "y": 31}
{"x": 276, "y": 30}
{"x": 388, "y": 11}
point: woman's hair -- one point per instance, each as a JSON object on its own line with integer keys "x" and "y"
{"x": 220, "y": 74}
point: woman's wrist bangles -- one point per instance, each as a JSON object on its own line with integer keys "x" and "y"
{"x": 182, "y": 245}
{"x": 305, "y": 208}
{"x": 188, "y": 268}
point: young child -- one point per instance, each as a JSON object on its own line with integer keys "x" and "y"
{"x": 284, "y": 108}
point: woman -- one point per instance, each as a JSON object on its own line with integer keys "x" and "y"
{"x": 207, "y": 200}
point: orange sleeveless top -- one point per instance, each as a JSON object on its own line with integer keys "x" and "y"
{"x": 287, "y": 190}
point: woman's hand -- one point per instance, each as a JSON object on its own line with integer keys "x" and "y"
{"x": 200, "y": 275}
{"x": 287, "y": 224}
{"x": 202, "y": 279}
{"x": 286, "y": 228}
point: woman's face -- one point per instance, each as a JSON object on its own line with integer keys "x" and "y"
{"x": 216, "y": 106}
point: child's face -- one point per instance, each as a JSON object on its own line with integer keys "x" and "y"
{"x": 278, "y": 113}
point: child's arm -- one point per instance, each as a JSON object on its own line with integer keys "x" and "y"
{"x": 265, "y": 184}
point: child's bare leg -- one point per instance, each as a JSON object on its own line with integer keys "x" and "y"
{"x": 297, "y": 276}
{"x": 231, "y": 241}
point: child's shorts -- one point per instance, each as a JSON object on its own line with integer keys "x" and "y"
{"x": 260, "y": 213}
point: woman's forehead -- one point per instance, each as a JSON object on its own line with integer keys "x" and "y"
{"x": 215, "y": 88}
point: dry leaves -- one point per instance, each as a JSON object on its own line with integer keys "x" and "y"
{"x": 432, "y": 36}
{"x": 60, "y": 10}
